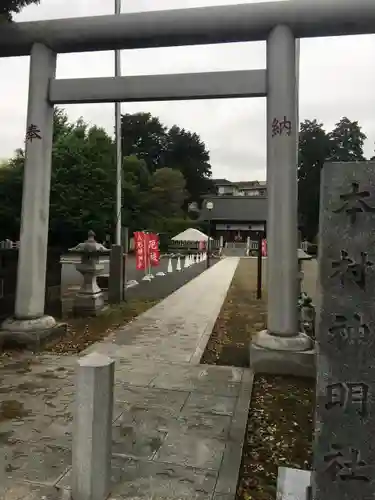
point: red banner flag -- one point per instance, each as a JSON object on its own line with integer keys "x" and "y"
{"x": 264, "y": 248}
{"x": 154, "y": 252}
{"x": 140, "y": 250}
{"x": 146, "y": 239}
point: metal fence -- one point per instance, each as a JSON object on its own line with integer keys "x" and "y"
{"x": 305, "y": 245}
{"x": 9, "y": 245}
{"x": 254, "y": 245}
{"x": 190, "y": 246}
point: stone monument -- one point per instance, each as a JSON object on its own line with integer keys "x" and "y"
{"x": 344, "y": 450}
{"x": 344, "y": 454}
{"x": 89, "y": 300}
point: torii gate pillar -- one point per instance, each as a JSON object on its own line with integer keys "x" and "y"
{"x": 281, "y": 337}
{"x": 29, "y": 319}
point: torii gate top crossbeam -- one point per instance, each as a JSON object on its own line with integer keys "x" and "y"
{"x": 194, "y": 26}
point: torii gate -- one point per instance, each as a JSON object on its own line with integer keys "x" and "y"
{"x": 280, "y": 23}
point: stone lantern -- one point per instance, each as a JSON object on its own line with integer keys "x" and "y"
{"x": 305, "y": 304}
{"x": 307, "y": 315}
{"x": 301, "y": 256}
{"x": 89, "y": 300}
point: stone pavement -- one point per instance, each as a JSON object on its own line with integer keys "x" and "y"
{"x": 178, "y": 328}
{"x": 178, "y": 426}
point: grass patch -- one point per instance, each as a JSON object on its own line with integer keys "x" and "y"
{"x": 280, "y": 423}
{"x": 241, "y": 316}
{"x": 82, "y": 332}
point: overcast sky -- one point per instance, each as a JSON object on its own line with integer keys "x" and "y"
{"x": 337, "y": 79}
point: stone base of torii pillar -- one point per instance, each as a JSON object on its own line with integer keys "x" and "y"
{"x": 283, "y": 355}
{"x": 31, "y": 332}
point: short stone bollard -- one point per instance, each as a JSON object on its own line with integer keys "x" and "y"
{"x": 92, "y": 435}
{"x": 89, "y": 300}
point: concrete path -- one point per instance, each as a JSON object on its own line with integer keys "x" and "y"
{"x": 176, "y": 329}
{"x": 178, "y": 426}
{"x": 157, "y": 289}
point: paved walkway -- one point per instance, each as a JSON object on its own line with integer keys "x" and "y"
{"x": 178, "y": 426}
{"x": 177, "y": 328}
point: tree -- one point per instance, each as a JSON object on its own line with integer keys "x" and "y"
{"x": 83, "y": 183}
{"x": 11, "y": 179}
{"x": 149, "y": 140}
{"x": 143, "y": 136}
{"x": 167, "y": 193}
{"x": 136, "y": 180}
{"x": 314, "y": 148}
{"x": 186, "y": 152}
{"x": 344, "y": 143}
{"x": 347, "y": 140}
{"x": 9, "y": 7}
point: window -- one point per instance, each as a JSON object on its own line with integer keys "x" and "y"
{"x": 225, "y": 190}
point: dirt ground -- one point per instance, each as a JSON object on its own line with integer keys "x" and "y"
{"x": 241, "y": 316}
{"x": 82, "y": 332}
{"x": 280, "y": 423}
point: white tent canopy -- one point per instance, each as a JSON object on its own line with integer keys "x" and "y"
{"x": 191, "y": 234}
